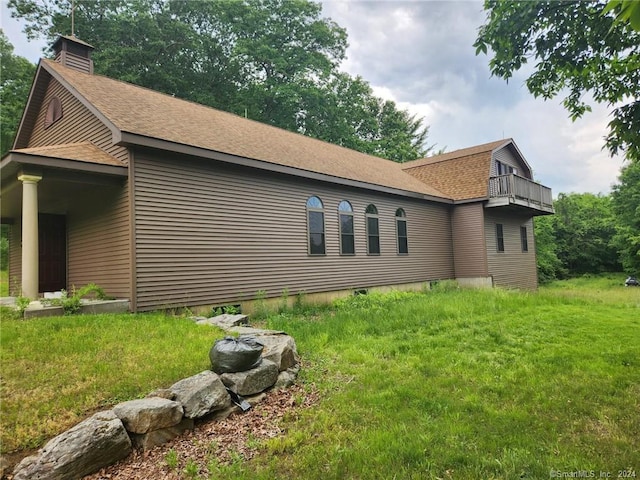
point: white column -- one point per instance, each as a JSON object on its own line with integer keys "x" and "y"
{"x": 30, "y": 235}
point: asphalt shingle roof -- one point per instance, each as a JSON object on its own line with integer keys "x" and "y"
{"x": 461, "y": 174}
{"x": 144, "y": 112}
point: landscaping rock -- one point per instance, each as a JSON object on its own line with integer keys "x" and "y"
{"x": 148, "y": 414}
{"x": 280, "y": 349}
{"x": 252, "y": 381}
{"x": 201, "y": 394}
{"x": 147, "y": 441}
{"x": 224, "y": 321}
{"x": 162, "y": 393}
{"x": 254, "y": 331}
{"x": 92, "y": 444}
{"x": 286, "y": 378}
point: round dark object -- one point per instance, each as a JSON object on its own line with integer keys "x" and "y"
{"x": 235, "y": 354}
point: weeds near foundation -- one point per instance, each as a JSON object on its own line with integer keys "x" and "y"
{"x": 71, "y": 304}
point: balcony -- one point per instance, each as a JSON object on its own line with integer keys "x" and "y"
{"x": 519, "y": 192}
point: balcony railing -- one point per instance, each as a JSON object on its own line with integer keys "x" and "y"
{"x": 521, "y": 191}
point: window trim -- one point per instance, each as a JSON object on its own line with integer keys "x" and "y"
{"x": 401, "y": 216}
{"x": 500, "y": 237}
{"x": 315, "y": 209}
{"x": 345, "y": 209}
{"x": 524, "y": 240}
{"x": 371, "y": 212}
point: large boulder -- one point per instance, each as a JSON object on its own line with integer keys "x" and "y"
{"x": 201, "y": 394}
{"x": 86, "y": 448}
{"x": 280, "y": 348}
{"x": 252, "y": 381}
{"x": 147, "y": 414}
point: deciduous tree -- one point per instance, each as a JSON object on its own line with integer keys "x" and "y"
{"x": 275, "y": 61}
{"x": 16, "y": 74}
{"x": 576, "y": 48}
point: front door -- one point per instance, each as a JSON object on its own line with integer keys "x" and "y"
{"x": 52, "y": 246}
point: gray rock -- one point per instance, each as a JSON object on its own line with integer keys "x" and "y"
{"x": 147, "y": 441}
{"x": 224, "y": 321}
{"x": 233, "y": 409}
{"x": 252, "y": 381}
{"x": 162, "y": 393}
{"x": 254, "y": 331}
{"x": 201, "y": 394}
{"x": 92, "y": 444}
{"x": 280, "y": 349}
{"x": 286, "y": 379}
{"x": 147, "y": 414}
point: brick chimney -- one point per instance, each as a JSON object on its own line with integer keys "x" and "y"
{"x": 73, "y": 53}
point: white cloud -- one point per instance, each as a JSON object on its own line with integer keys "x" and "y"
{"x": 420, "y": 54}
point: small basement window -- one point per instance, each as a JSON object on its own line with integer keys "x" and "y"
{"x": 54, "y": 112}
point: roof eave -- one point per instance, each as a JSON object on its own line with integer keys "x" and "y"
{"x": 13, "y": 160}
{"x": 132, "y": 140}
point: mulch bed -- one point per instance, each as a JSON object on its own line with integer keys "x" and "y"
{"x": 237, "y": 436}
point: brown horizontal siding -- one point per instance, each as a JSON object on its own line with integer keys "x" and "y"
{"x": 98, "y": 241}
{"x": 207, "y": 233}
{"x": 469, "y": 250}
{"x": 511, "y": 268}
{"x": 77, "y": 124}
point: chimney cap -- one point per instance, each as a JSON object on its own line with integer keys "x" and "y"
{"x": 71, "y": 38}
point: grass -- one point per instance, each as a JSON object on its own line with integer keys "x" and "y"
{"x": 446, "y": 384}
{"x": 56, "y": 370}
{"x": 4, "y": 283}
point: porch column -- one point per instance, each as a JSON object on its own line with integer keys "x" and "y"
{"x": 30, "y": 235}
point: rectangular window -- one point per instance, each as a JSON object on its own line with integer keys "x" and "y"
{"x": 373, "y": 236}
{"x": 316, "y": 233}
{"x": 499, "y": 237}
{"x": 347, "y": 240}
{"x": 523, "y": 239}
{"x": 403, "y": 243}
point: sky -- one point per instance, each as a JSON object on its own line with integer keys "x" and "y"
{"x": 420, "y": 54}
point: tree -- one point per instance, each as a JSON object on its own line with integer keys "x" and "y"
{"x": 549, "y": 265}
{"x": 584, "y": 227}
{"x": 16, "y": 74}
{"x": 577, "y": 48}
{"x": 275, "y": 61}
{"x": 626, "y": 205}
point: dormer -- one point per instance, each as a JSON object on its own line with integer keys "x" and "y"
{"x": 73, "y": 53}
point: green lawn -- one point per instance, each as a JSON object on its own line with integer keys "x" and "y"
{"x": 4, "y": 283}
{"x": 446, "y": 384}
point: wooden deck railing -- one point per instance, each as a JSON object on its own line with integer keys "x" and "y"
{"x": 520, "y": 188}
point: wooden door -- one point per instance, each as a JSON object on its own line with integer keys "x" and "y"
{"x": 52, "y": 245}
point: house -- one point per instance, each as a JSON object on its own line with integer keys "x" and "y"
{"x": 170, "y": 203}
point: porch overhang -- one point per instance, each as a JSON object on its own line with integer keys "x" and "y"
{"x": 53, "y": 170}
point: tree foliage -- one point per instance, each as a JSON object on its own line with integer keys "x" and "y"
{"x": 576, "y": 47}
{"x": 275, "y": 61}
{"x": 16, "y": 74}
{"x": 626, "y": 205}
{"x": 579, "y": 238}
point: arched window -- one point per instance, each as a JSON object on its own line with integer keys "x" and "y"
{"x": 315, "y": 226}
{"x": 54, "y": 112}
{"x": 373, "y": 230}
{"x": 347, "y": 238}
{"x": 401, "y": 232}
